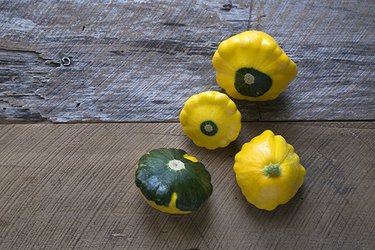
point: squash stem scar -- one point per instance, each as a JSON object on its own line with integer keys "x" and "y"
{"x": 249, "y": 79}
{"x": 208, "y": 128}
{"x": 272, "y": 170}
{"x": 176, "y": 165}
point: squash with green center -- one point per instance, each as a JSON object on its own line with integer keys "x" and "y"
{"x": 251, "y": 66}
{"x": 172, "y": 181}
{"x": 211, "y": 119}
{"x": 268, "y": 171}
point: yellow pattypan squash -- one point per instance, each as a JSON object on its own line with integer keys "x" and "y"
{"x": 211, "y": 119}
{"x": 268, "y": 171}
{"x": 251, "y": 66}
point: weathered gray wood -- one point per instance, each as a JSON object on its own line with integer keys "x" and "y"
{"x": 140, "y": 60}
{"x": 332, "y": 42}
{"x": 72, "y": 186}
{"x": 22, "y": 73}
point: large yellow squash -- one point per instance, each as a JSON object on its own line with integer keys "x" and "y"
{"x": 252, "y": 66}
{"x": 268, "y": 171}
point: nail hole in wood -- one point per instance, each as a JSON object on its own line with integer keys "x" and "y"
{"x": 4, "y": 108}
{"x": 83, "y": 28}
{"x": 227, "y": 6}
{"x": 78, "y": 103}
{"x": 65, "y": 61}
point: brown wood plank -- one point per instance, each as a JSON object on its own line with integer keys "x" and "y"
{"x": 140, "y": 60}
{"x": 72, "y": 186}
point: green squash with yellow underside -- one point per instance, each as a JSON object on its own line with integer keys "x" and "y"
{"x": 172, "y": 181}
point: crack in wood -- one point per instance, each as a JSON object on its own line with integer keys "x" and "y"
{"x": 250, "y": 15}
{"x": 173, "y": 47}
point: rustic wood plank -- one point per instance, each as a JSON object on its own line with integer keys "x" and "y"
{"x": 332, "y": 44}
{"x": 126, "y": 57}
{"x": 140, "y": 60}
{"x": 72, "y": 186}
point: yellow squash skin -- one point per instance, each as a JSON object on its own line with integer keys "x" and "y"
{"x": 210, "y": 119}
{"x": 268, "y": 171}
{"x": 171, "y": 209}
{"x": 257, "y": 51}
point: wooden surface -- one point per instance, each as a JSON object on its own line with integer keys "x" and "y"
{"x": 140, "y": 60}
{"x": 72, "y": 186}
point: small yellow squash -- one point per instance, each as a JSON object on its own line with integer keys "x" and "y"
{"x": 210, "y": 119}
{"x": 268, "y": 171}
{"x": 251, "y": 66}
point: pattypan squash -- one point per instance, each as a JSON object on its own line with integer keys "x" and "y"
{"x": 211, "y": 119}
{"x": 268, "y": 171}
{"x": 172, "y": 181}
{"x": 251, "y": 66}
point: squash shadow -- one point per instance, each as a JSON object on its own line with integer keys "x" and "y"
{"x": 281, "y": 108}
{"x": 180, "y": 231}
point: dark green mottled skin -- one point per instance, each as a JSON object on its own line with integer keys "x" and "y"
{"x": 158, "y": 182}
{"x": 260, "y": 86}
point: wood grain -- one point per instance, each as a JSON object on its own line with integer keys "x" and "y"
{"x": 72, "y": 186}
{"x": 140, "y": 60}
